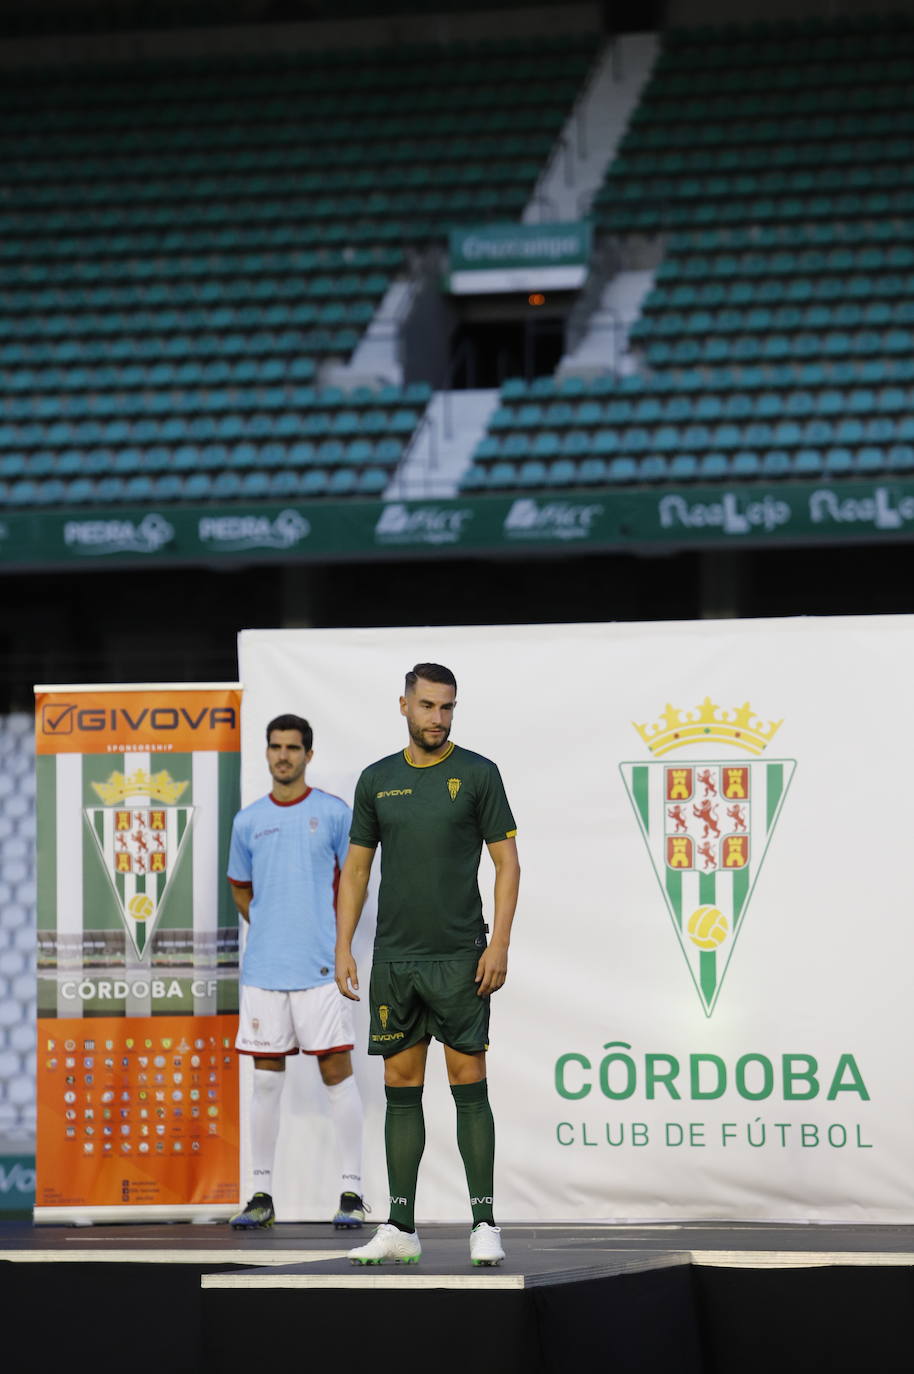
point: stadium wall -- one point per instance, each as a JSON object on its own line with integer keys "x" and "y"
{"x": 442, "y": 27}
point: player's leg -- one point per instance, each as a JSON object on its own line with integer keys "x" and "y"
{"x": 345, "y": 1103}
{"x": 404, "y": 1130}
{"x": 464, "y": 1027}
{"x": 265, "y": 1106}
{"x": 266, "y": 1033}
{"x": 395, "y": 1018}
{"x": 323, "y": 1024}
{"x": 475, "y": 1128}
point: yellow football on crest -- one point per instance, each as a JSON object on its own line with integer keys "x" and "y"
{"x": 141, "y": 907}
{"x": 708, "y": 927}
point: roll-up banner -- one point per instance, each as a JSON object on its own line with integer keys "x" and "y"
{"x": 708, "y": 1010}
{"x": 137, "y": 1087}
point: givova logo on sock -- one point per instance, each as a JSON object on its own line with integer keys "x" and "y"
{"x": 707, "y": 822}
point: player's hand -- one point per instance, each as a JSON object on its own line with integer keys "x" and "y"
{"x": 347, "y": 977}
{"x": 492, "y": 970}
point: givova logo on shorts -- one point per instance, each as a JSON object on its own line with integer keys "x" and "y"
{"x": 707, "y": 821}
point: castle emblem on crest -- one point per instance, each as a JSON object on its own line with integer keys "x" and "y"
{"x": 707, "y": 821}
{"x": 453, "y": 786}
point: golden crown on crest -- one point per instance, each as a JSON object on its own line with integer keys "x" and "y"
{"x": 158, "y": 786}
{"x": 706, "y": 723}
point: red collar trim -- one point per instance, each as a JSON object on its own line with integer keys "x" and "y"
{"x": 294, "y": 801}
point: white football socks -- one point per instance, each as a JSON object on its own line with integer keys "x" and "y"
{"x": 346, "y": 1114}
{"x": 265, "y": 1103}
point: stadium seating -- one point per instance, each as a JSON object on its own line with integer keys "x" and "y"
{"x": 185, "y": 244}
{"x": 690, "y": 423}
{"x": 777, "y": 341}
{"x": 176, "y": 267}
{"x": 803, "y": 123}
{"x": 266, "y": 436}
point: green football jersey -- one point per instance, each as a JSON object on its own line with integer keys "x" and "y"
{"x": 431, "y": 824}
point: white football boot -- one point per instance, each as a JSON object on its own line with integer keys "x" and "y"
{"x": 485, "y": 1244}
{"x": 388, "y": 1244}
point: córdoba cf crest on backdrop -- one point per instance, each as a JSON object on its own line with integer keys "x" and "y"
{"x": 707, "y": 820}
{"x": 140, "y": 834}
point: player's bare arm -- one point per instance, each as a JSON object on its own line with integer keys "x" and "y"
{"x": 492, "y": 969}
{"x": 242, "y": 896}
{"x": 349, "y": 902}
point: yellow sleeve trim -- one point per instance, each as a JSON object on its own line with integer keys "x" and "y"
{"x": 509, "y": 835}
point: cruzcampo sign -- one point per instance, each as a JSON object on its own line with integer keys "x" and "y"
{"x": 519, "y": 257}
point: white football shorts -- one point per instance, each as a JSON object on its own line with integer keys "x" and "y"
{"x": 312, "y": 1020}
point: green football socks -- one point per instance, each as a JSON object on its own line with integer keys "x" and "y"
{"x": 476, "y": 1142}
{"x": 404, "y": 1140}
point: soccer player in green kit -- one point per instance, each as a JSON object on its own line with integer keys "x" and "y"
{"x": 430, "y": 807}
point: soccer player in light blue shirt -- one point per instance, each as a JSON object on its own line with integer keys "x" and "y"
{"x": 286, "y": 852}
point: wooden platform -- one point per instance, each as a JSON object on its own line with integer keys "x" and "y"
{"x": 696, "y": 1298}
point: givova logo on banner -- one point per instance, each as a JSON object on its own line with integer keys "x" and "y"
{"x": 140, "y": 833}
{"x": 707, "y": 821}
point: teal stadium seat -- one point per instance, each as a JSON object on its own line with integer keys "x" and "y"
{"x": 592, "y": 471}
{"x": 502, "y": 475}
{"x": 561, "y": 473}
{"x": 870, "y": 459}
{"x": 475, "y": 478}
{"x": 653, "y": 468}
{"x": 372, "y": 481}
{"x": 198, "y": 486}
{"x": 532, "y": 474}
{"x": 622, "y": 469}
{"x": 837, "y": 462}
{"x": 342, "y": 482}
{"x": 313, "y": 482}
{"x": 776, "y": 463}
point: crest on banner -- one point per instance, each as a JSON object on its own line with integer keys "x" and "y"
{"x": 707, "y": 820}
{"x": 140, "y": 832}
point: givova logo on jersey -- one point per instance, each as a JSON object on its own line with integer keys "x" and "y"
{"x": 140, "y": 834}
{"x": 707, "y": 820}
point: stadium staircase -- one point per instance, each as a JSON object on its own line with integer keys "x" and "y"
{"x": 593, "y": 130}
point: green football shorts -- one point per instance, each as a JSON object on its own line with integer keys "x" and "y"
{"x": 412, "y": 1000}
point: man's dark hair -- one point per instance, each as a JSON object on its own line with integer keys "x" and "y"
{"x": 290, "y": 722}
{"x": 431, "y": 672}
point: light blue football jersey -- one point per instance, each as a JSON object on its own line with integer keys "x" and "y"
{"x": 291, "y": 854}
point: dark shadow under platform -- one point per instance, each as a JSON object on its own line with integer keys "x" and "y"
{"x": 696, "y": 1298}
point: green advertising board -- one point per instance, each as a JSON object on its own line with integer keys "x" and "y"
{"x": 519, "y": 257}
{"x": 17, "y": 1184}
{"x": 735, "y": 516}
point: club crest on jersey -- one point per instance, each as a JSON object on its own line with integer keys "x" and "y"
{"x": 453, "y": 786}
{"x": 707, "y": 821}
{"x": 139, "y": 835}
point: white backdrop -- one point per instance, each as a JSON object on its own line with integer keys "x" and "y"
{"x": 801, "y": 1107}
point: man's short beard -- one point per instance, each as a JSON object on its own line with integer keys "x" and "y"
{"x": 416, "y": 737}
